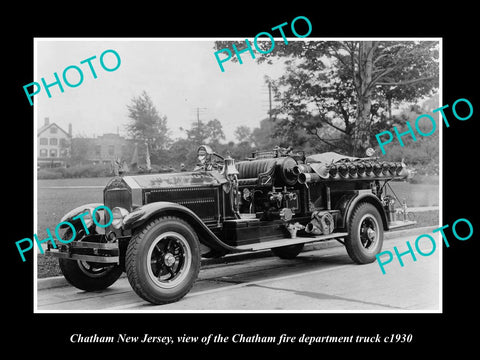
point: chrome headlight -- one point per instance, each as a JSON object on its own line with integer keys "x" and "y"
{"x": 119, "y": 214}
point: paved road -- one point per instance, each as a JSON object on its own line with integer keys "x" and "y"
{"x": 319, "y": 280}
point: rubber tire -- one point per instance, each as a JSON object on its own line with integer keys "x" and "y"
{"x": 288, "y": 252}
{"x": 353, "y": 244}
{"x": 75, "y": 276}
{"x": 136, "y": 260}
{"x": 71, "y": 270}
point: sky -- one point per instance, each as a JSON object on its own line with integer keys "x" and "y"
{"x": 178, "y": 74}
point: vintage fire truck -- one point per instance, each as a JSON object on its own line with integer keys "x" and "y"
{"x": 163, "y": 224}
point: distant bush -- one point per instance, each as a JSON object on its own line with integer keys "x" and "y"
{"x": 162, "y": 168}
{"x": 76, "y": 171}
{"x": 422, "y": 154}
{"x": 48, "y": 174}
{"x": 79, "y": 171}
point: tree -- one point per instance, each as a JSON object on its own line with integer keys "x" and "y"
{"x": 273, "y": 133}
{"x": 422, "y": 153}
{"x": 182, "y": 151}
{"x": 198, "y": 133}
{"x": 80, "y": 150}
{"x": 147, "y": 126}
{"x": 243, "y": 134}
{"x": 215, "y": 132}
{"x": 205, "y": 133}
{"x": 401, "y": 69}
{"x": 262, "y": 136}
{"x": 373, "y": 75}
{"x": 321, "y": 102}
{"x": 240, "y": 151}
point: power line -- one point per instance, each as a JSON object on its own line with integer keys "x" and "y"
{"x": 198, "y": 114}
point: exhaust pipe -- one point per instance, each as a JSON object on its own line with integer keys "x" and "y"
{"x": 301, "y": 168}
{"x": 305, "y": 178}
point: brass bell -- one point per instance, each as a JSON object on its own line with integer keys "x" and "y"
{"x": 229, "y": 167}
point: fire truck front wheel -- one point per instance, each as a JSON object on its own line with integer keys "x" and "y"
{"x": 86, "y": 275}
{"x": 163, "y": 260}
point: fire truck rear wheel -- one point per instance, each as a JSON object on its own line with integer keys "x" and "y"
{"x": 163, "y": 260}
{"x": 365, "y": 229}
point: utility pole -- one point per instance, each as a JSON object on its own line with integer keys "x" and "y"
{"x": 198, "y": 115}
{"x": 270, "y": 101}
{"x": 264, "y": 92}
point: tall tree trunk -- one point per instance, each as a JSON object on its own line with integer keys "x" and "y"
{"x": 361, "y": 136}
{"x": 147, "y": 157}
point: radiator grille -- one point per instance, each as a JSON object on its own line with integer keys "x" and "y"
{"x": 202, "y": 201}
{"x": 118, "y": 197}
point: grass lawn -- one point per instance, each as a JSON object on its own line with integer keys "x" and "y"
{"x": 417, "y": 195}
{"x": 55, "y": 199}
{"x": 54, "y": 202}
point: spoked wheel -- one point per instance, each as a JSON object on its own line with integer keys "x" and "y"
{"x": 365, "y": 239}
{"x": 163, "y": 260}
{"x": 368, "y": 231}
{"x": 170, "y": 259}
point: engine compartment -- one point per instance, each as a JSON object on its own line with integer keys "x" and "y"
{"x": 282, "y": 193}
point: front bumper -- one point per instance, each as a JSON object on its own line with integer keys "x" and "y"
{"x": 105, "y": 253}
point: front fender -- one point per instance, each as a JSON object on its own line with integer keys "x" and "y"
{"x": 68, "y": 217}
{"x": 163, "y": 208}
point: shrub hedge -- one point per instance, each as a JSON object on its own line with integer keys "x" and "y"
{"x": 76, "y": 171}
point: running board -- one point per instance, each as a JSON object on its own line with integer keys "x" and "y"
{"x": 289, "y": 241}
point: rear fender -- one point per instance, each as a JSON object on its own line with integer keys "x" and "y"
{"x": 148, "y": 212}
{"x": 347, "y": 204}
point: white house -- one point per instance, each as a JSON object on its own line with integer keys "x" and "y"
{"x": 53, "y": 145}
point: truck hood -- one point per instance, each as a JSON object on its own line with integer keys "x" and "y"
{"x": 175, "y": 180}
